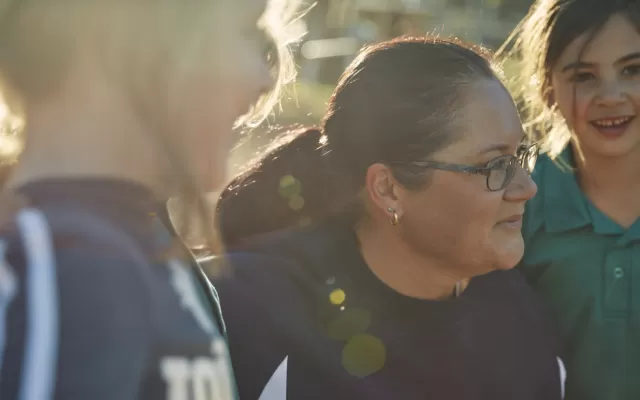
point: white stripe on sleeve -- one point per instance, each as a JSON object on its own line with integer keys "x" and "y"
{"x": 41, "y": 292}
{"x": 8, "y": 289}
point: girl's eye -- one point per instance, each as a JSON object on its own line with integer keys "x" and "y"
{"x": 266, "y": 45}
{"x": 270, "y": 52}
{"x": 631, "y": 70}
{"x": 579, "y": 76}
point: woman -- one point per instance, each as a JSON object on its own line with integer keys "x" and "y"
{"x": 582, "y": 231}
{"x": 414, "y": 187}
{"x": 125, "y": 103}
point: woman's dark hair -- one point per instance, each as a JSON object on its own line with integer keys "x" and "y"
{"x": 537, "y": 44}
{"x": 397, "y": 103}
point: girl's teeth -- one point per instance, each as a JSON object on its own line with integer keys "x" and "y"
{"x": 608, "y": 123}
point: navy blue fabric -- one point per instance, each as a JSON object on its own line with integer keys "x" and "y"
{"x": 126, "y": 328}
{"x": 308, "y": 297}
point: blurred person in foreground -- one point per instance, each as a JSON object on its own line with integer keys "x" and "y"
{"x": 125, "y": 103}
{"x": 580, "y": 85}
{"x": 400, "y": 284}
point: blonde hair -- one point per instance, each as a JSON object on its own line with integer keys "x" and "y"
{"x": 279, "y": 21}
{"x": 531, "y": 83}
{"x": 37, "y": 39}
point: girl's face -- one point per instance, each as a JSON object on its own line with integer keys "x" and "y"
{"x": 598, "y": 92}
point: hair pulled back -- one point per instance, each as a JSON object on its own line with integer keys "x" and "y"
{"x": 397, "y": 103}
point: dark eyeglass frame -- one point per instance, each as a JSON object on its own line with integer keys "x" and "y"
{"x": 526, "y": 157}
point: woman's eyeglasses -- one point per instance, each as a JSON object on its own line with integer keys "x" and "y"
{"x": 500, "y": 170}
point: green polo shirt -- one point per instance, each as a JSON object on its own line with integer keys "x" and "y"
{"x": 587, "y": 270}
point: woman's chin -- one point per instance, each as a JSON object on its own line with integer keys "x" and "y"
{"x": 509, "y": 256}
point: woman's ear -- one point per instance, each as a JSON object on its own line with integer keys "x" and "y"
{"x": 383, "y": 191}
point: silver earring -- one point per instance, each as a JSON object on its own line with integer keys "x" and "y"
{"x": 394, "y": 216}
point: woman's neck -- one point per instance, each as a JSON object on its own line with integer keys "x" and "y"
{"x": 406, "y": 272}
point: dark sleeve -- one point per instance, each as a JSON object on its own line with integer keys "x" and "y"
{"x": 259, "y": 303}
{"x": 72, "y": 326}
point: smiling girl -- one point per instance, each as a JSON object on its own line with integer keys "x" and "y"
{"x": 581, "y": 85}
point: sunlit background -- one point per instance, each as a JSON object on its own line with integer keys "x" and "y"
{"x": 337, "y": 29}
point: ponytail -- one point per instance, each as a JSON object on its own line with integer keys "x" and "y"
{"x": 395, "y": 104}
{"x": 291, "y": 185}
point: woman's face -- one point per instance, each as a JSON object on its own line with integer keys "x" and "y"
{"x": 217, "y": 91}
{"x": 598, "y": 93}
{"x": 457, "y": 221}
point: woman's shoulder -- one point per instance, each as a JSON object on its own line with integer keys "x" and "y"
{"x": 510, "y": 289}
{"x": 293, "y": 251}
{"x": 280, "y": 271}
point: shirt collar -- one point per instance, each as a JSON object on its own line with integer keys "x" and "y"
{"x": 567, "y": 208}
{"x": 565, "y": 204}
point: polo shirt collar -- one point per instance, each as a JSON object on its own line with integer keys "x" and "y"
{"x": 565, "y": 205}
{"x": 567, "y": 208}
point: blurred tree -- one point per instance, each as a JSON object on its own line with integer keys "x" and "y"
{"x": 513, "y": 8}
